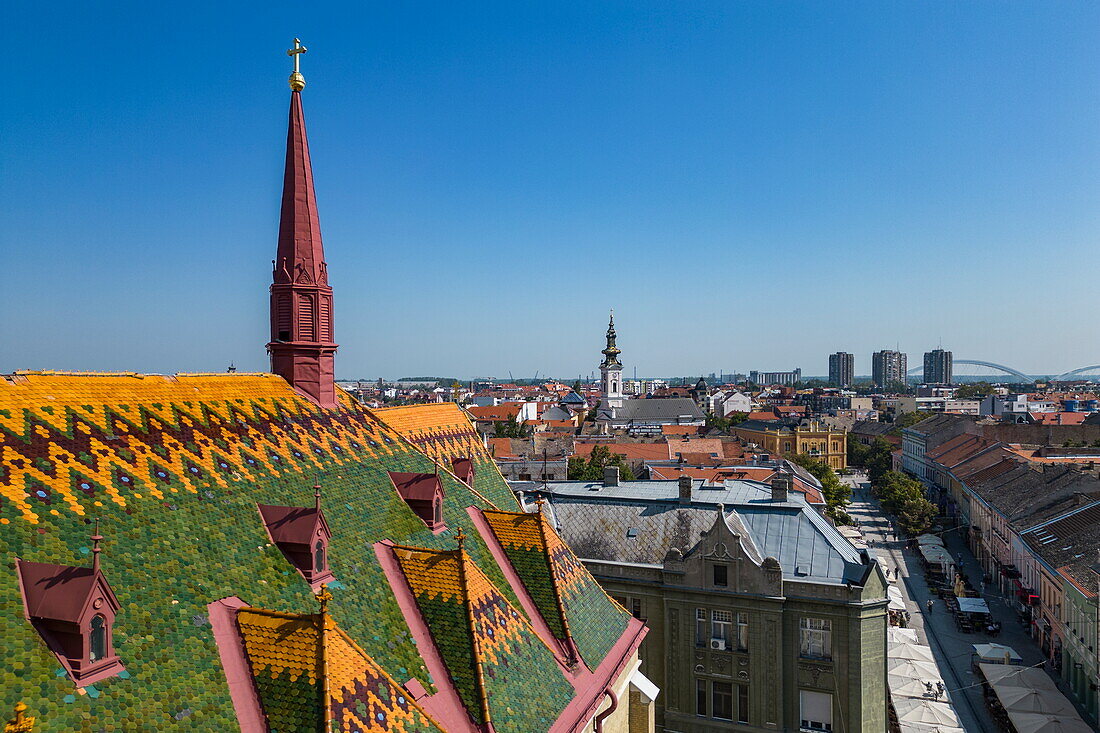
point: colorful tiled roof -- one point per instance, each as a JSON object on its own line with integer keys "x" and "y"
{"x": 175, "y": 467}
{"x": 443, "y": 432}
{"x": 502, "y": 671}
{"x": 288, "y": 662}
{"x": 567, "y": 596}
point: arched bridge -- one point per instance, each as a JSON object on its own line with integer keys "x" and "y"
{"x": 975, "y": 362}
{"x": 1020, "y": 376}
{"x": 1095, "y": 368}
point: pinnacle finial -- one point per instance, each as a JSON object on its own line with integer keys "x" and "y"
{"x": 461, "y": 537}
{"x": 21, "y": 723}
{"x": 297, "y": 81}
{"x": 317, "y": 497}
{"x": 323, "y": 597}
{"x": 96, "y": 539}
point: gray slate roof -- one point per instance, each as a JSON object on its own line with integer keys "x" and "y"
{"x": 670, "y": 408}
{"x": 640, "y": 521}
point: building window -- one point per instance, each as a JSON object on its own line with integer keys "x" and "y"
{"x": 742, "y": 703}
{"x": 97, "y": 641}
{"x": 816, "y": 710}
{"x": 721, "y": 576}
{"x": 816, "y": 636}
{"x": 701, "y": 697}
{"x": 722, "y": 696}
{"x": 742, "y": 631}
{"x": 721, "y": 626}
{"x": 700, "y": 627}
{"x": 636, "y": 609}
{"x": 319, "y": 556}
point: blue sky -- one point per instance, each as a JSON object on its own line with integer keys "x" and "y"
{"x": 749, "y": 184}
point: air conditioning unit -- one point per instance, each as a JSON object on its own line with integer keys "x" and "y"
{"x": 718, "y": 644}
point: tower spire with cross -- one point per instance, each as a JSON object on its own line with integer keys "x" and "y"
{"x": 611, "y": 370}
{"x": 301, "y": 347}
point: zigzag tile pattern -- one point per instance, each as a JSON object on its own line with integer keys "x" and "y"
{"x": 74, "y": 444}
{"x": 444, "y": 432}
{"x": 284, "y": 652}
{"x": 596, "y": 621}
{"x": 520, "y": 536}
{"x": 476, "y": 628}
{"x": 121, "y": 448}
{"x": 551, "y": 573}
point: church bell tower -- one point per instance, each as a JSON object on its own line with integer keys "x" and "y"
{"x": 302, "y": 348}
{"x": 611, "y": 371}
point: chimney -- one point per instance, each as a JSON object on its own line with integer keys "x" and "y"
{"x": 611, "y": 476}
{"x": 781, "y": 484}
{"x": 685, "y": 489}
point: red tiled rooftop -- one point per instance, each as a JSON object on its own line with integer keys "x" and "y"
{"x": 496, "y": 413}
{"x": 630, "y": 451}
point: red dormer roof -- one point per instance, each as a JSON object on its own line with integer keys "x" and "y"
{"x": 294, "y": 525}
{"x": 60, "y": 592}
{"x": 463, "y": 468}
{"x": 416, "y": 486}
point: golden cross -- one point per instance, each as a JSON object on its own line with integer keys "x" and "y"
{"x": 295, "y": 52}
{"x": 297, "y": 81}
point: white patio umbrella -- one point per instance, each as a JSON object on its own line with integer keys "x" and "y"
{"x": 896, "y": 633}
{"x": 1041, "y": 723}
{"x": 1021, "y": 700}
{"x": 928, "y": 728}
{"x": 997, "y": 654}
{"x": 914, "y": 670}
{"x": 907, "y": 687}
{"x": 916, "y": 710}
{"x": 909, "y": 650}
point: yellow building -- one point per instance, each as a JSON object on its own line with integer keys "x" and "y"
{"x": 808, "y": 437}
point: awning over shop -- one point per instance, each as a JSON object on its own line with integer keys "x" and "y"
{"x": 896, "y": 602}
{"x": 929, "y": 539}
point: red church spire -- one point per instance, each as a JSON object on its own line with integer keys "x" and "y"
{"x": 302, "y": 348}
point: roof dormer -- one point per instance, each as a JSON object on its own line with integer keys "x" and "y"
{"x": 302, "y": 535}
{"x": 73, "y": 609}
{"x": 463, "y": 467}
{"x": 423, "y": 492}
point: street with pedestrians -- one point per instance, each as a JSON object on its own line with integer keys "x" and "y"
{"x": 929, "y": 615}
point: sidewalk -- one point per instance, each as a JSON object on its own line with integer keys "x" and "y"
{"x": 950, "y": 647}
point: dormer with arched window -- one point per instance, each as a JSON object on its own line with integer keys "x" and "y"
{"x": 423, "y": 492}
{"x": 463, "y": 467}
{"x": 73, "y": 609}
{"x": 302, "y": 535}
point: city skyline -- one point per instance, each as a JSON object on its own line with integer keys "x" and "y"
{"x": 470, "y": 169}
